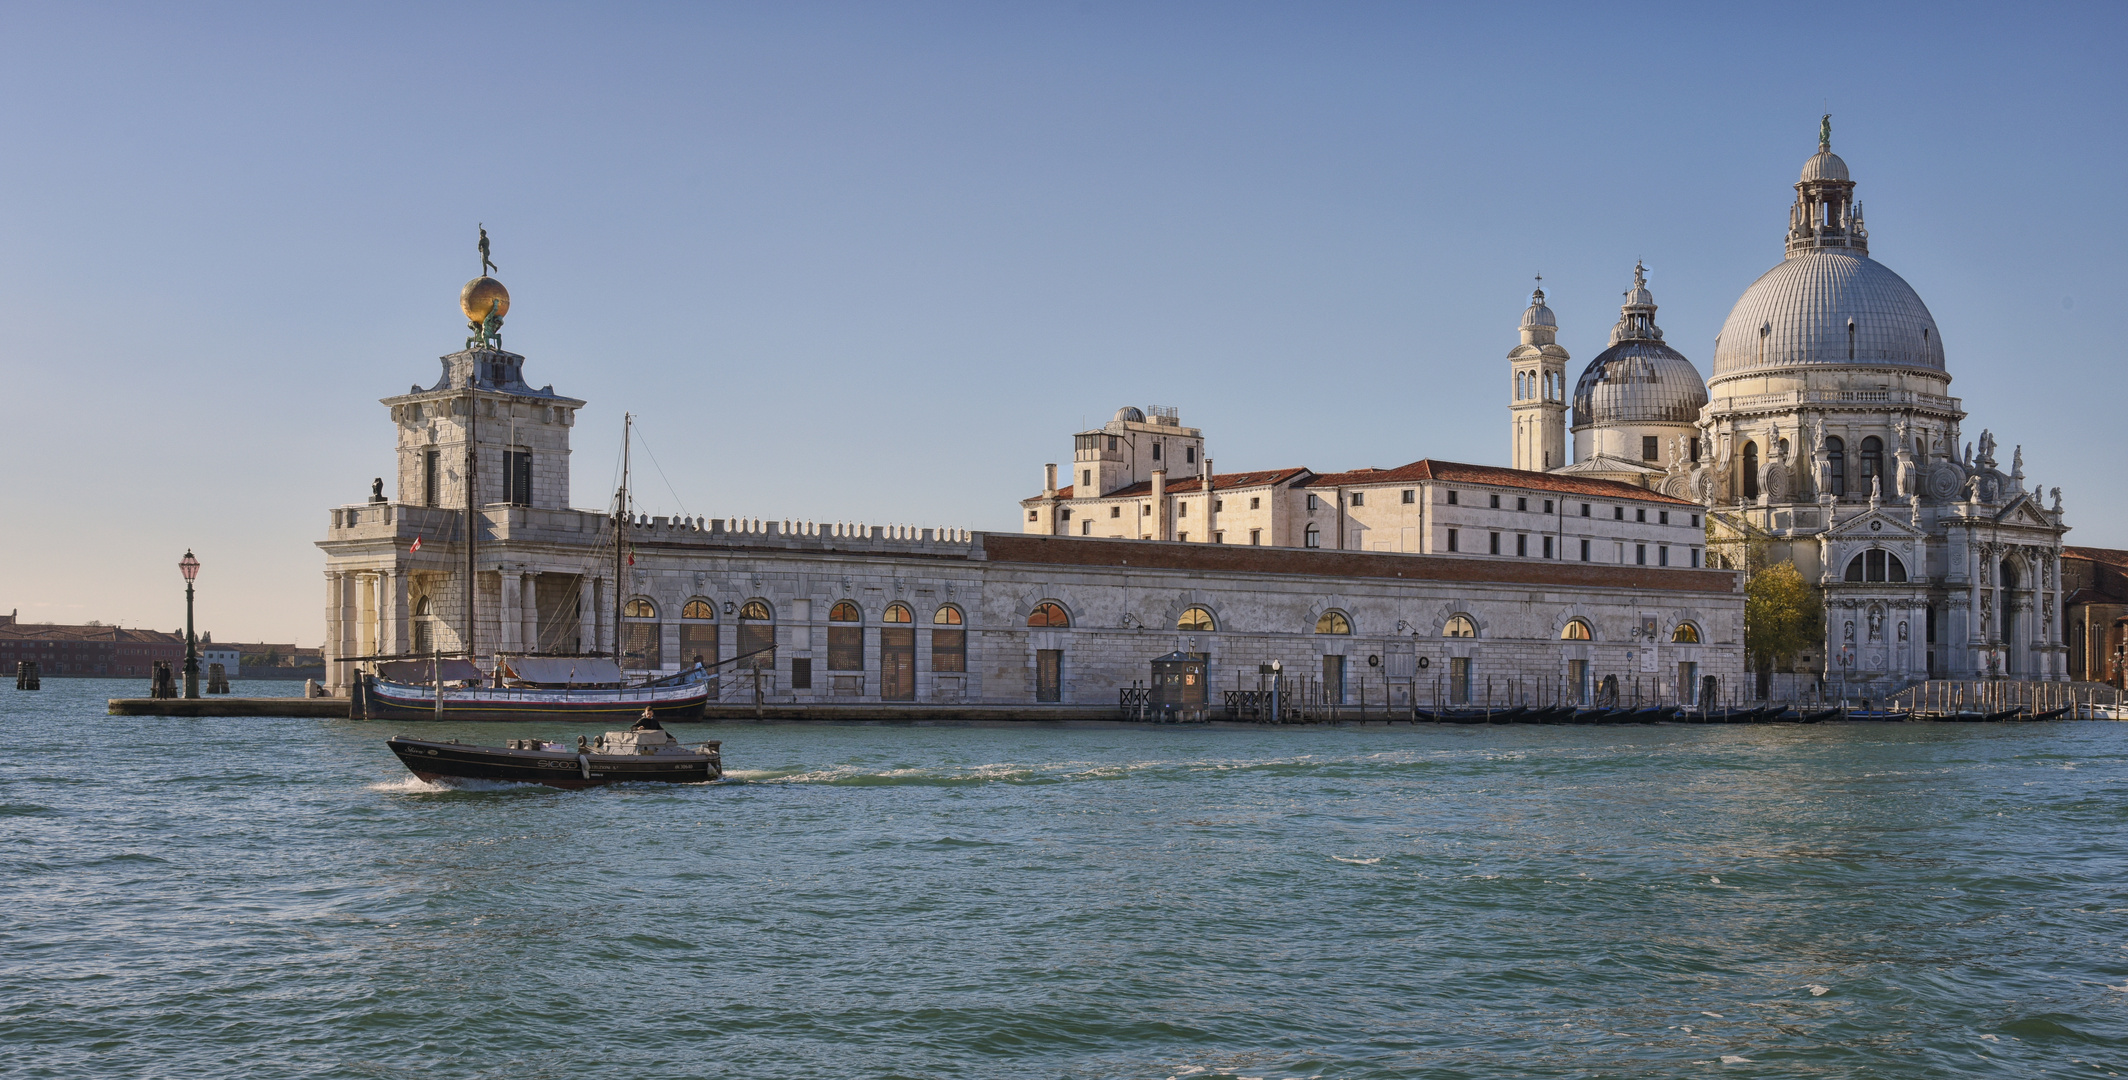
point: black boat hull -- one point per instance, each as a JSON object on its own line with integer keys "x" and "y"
{"x": 434, "y": 761}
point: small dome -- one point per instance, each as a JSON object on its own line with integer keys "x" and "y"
{"x": 1824, "y": 165}
{"x": 1638, "y": 382}
{"x": 1538, "y": 315}
{"x": 1130, "y": 414}
{"x": 478, "y": 294}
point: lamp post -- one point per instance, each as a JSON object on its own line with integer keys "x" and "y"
{"x": 189, "y": 567}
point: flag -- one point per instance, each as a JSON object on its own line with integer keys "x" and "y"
{"x": 416, "y": 547}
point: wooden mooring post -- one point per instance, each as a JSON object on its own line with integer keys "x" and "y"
{"x": 27, "y": 676}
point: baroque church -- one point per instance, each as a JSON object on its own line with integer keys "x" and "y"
{"x": 1825, "y": 437}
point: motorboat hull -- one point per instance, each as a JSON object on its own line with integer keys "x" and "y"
{"x": 434, "y": 761}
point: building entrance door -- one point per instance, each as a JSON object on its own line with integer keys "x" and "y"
{"x": 897, "y": 663}
{"x": 1049, "y": 675}
{"x": 1333, "y": 680}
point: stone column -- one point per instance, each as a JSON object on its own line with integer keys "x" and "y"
{"x": 509, "y": 621}
{"x": 529, "y": 604}
{"x": 586, "y": 615}
{"x": 366, "y": 613}
{"x": 332, "y": 648}
{"x": 395, "y": 639}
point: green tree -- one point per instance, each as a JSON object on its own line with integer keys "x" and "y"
{"x": 1783, "y": 616}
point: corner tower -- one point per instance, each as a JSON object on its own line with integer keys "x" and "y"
{"x": 1537, "y": 405}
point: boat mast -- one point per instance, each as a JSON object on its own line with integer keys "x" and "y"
{"x": 620, "y": 531}
{"x": 472, "y": 465}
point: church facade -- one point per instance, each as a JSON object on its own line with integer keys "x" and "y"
{"x": 1826, "y": 437}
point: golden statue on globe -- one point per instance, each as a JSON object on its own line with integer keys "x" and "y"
{"x": 484, "y": 302}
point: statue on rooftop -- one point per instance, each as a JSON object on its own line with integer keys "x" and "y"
{"x": 487, "y": 265}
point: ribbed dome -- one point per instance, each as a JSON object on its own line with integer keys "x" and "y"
{"x": 1538, "y": 314}
{"x": 1828, "y": 307}
{"x": 1130, "y": 414}
{"x": 1638, "y": 382}
{"x": 1824, "y": 165}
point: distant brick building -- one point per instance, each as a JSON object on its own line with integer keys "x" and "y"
{"x": 2095, "y": 581}
{"x": 87, "y": 650}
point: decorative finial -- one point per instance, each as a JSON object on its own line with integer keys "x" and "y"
{"x": 1825, "y": 134}
{"x": 487, "y": 265}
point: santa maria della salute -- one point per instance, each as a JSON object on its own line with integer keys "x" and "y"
{"x": 1607, "y": 562}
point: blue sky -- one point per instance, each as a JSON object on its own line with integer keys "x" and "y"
{"x": 877, "y": 261}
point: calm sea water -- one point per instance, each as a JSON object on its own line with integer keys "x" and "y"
{"x": 279, "y": 898}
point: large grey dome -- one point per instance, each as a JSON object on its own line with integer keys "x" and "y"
{"x": 1826, "y": 306}
{"x": 1130, "y": 414}
{"x": 1638, "y": 382}
{"x": 1824, "y": 165}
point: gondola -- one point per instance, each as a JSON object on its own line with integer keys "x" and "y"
{"x": 644, "y": 752}
{"x": 1893, "y": 716}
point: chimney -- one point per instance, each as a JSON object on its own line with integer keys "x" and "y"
{"x": 1049, "y": 480}
{"x": 1211, "y": 522}
{"x": 1159, "y": 504}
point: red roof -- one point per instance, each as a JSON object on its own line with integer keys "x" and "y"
{"x": 1425, "y": 469}
{"x": 2109, "y": 556}
{"x": 1454, "y": 472}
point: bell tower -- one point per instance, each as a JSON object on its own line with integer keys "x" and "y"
{"x": 1537, "y": 403}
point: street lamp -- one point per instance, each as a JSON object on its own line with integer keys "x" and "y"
{"x": 189, "y": 567}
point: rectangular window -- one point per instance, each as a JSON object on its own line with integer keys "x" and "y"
{"x": 1156, "y": 451}
{"x": 1662, "y": 517}
{"x": 1255, "y": 537}
{"x": 801, "y": 673}
{"x": 1495, "y": 542}
{"x": 1584, "y": 509}
{"x": 1049, "y": 675}
{"x": 845, "y": 648}
{"x": 1650, "y": 447}
{"x": 1640, "y": 554}
{"x": 1695, "y": 521}
{"x": 517, "y": 477}
{"x": 1359, "y": 498}
{"x": 1115, "y": 511}
{"x": 1314, "y": 503}
{"x": 1695, "y": 451}
{"x": 1451, "y": 498}
{"x": 1695, "y": 558}
{"x": 1640, "y": 514}
{"x": 1189, "y": 455}
{"x": 1547, "y": 506}
{"x": 1522, "y": 545}
{"x": 1182, "y": 508}
{"x": 1086, "y": 528}
{"x": 949, "y": 650}
{"x": 1067, "y": 513}
{"x": 1547, "y": 547}
{"x": 1182, "y": 538}
{"x": 897, "y": 663}
{"x": 1662, "y": 555}
{"x": 1618, "y": 513}
{"x": 1521, "y": 503}
{"x": 1219, "y": 537}
{"x": 1031, "y": 515}
{"x": 1111, "y": 442}
{"x": 430, "y": 493}
{"x": 1086, "y": 479}
{"x": 1255, "y": 502}
{"x": 1145, "y": 510}
{"x": 1410, "y": 496}
{"x": 1496, "y": 501}
{"x": 1451, "y": 540}
{"x": 1218, "y": 505}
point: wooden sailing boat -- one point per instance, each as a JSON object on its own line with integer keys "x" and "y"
{"x": 585, "y": 687}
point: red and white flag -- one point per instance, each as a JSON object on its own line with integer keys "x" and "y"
{"x": 416, "y": 547}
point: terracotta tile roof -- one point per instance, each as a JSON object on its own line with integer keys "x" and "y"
{"x": 1453, "y": 472}
{"x": 1247, "y": 559}
{"x": 2109, "y": 556}
{"x": 60, "y": 632}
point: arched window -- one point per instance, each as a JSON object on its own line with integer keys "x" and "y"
{"x": 1876, "y": 564}
{"x": 1196, "y": 619}
{"x": 424, "y": 627}
{"x": 1751, "y": 470}
{"x": 1685, "y": 634}
{"x": 642, "y": 640}
{"x": 844, "y": 611}
{"x": 949, "y": 647}
{"x": 1313, "y": 537}
{"x": 757, "y": 635}
{"x": 697, "y": 642}
{"x": 1575, "y": 630}
{"x": 1872, "y": 462}
{"x": 1333, "y": 622}
{"x": 896, "y": 613}
{"x": 1048, "y": 614}
{"x": 1460, "y": 626}
{"x": 845, "y": 638}
{"x": 1836, "y": 461}
{"x": 946, "y": 616}
{"x": 699, "y": 609}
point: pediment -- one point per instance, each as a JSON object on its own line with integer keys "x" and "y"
{"x": 2025, "y": 512}
{"x": 1879, "y": 524}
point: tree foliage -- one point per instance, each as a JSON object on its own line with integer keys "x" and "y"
{"x": 1783, "y": 615}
